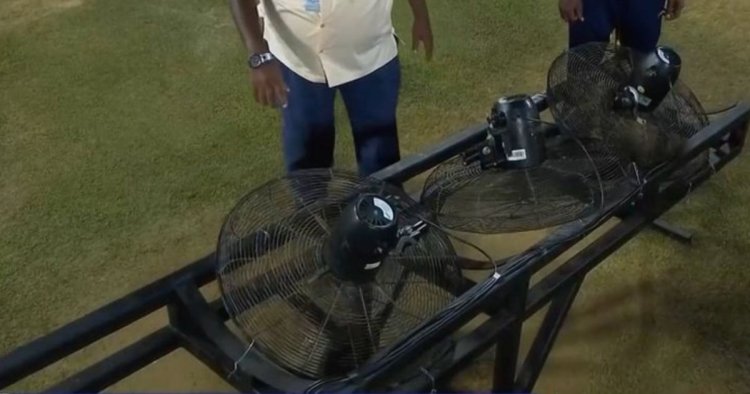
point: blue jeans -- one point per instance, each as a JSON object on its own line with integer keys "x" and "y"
{"x": 308, "y": 121}
{"x": 638, "y": 22}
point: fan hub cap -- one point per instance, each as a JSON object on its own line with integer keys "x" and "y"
{"x": 364, "y": 235}
{"x": 652, "y": 79}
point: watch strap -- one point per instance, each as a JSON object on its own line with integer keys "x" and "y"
{"x": 258, "y": 59}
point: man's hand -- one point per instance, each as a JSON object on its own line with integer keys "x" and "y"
{"x": 421, "y": 30}
{"x": 674, "y": 8}
{"x": 268, "y": 85}
{"x": 571, "y": 10}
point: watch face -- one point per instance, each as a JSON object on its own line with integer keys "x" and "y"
{"x": 255, "y": 61}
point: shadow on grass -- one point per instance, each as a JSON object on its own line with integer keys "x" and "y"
{"x": 629, "y": 329}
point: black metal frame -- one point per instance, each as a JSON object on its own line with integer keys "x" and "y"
{"x": 197, "y": 325}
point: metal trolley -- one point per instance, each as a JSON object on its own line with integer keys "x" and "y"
{"x": 198, "y": 325}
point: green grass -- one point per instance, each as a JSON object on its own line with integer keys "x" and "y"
{"x": 127, "y": 131}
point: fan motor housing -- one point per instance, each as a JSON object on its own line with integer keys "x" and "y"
{"x": 652, "y": 78}
{"x": 515, "y": 127}
{"x": 364, "y": 235}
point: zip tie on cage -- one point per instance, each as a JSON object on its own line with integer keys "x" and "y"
{"x": 637, "y": 174}
{"x": 239, "y": 360}
{"x": 689, "y": 192}
{"x": 429, "y": 376}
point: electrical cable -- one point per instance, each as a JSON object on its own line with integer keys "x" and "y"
{"x": 492, "y": 261}
{"x": 591, "y": 159}
{"x": 722, "y": 110}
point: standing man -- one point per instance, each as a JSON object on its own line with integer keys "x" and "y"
{"x": 309, "y": 49}
{"x": 638, "y": 22}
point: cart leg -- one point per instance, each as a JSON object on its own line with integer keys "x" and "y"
{"x": 509, "y": 341}
{"x": 545, "y": 338}
{"x": 506, "y": 355}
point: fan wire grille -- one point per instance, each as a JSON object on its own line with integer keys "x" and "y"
{"x": 582, "y": 83}
{"x": 276, "y": 286}
{"x": 572, "y": 182}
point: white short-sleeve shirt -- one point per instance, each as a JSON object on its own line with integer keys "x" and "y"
{"x": 333, "y": 41}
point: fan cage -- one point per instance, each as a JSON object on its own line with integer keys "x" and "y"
{"x": 581, "y": 85}
{"x": 571, "y": 183}
{"x": 276, "y": 286}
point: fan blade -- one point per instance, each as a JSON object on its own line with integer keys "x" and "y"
{"x": 573, "y": 172}
{"x": 398, "y": 288}
{"x": 262, "y": 242}
{"x": 361, "y": 330}
{"x": 282, "y": 279}
{"x": 432, "y": 269}
{"x": 314, "y": 313}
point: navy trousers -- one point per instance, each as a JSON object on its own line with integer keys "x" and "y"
{"x": 637, "y": 21}
{"x": 308, "y": 121}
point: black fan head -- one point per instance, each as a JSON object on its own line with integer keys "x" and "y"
{"x": 275, "y": 265}
{"x": 651, "y": 78}
{"x": 518, "y": 139}
{"x": 364, "y": 234}
{"x": 583, "y": 87}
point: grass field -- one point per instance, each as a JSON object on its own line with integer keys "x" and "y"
{"x": 127, "y": 131}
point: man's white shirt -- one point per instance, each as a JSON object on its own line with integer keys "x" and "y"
{"x": 333, "y": 41}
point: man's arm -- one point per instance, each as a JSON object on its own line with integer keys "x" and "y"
{"x": 268, "y": 83}
{"x": 247, "y": 20}
{"x": 419, "y": 8}
{"x": 421, "y": 29}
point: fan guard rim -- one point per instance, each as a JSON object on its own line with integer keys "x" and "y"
{"x": 448, "y": 257}
{"x": 591, "y": 152}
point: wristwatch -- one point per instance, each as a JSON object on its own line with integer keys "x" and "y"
{"x": 258, "y": 59}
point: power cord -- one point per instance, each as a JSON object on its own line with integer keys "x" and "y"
{"x": 470, "y": 244}
{"x": 722, "y": 110}
{"x": 580, "y": 144}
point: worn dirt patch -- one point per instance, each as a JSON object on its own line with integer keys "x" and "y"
{"x": 17, "y": 12}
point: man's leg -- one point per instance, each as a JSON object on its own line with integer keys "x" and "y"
{"x": 640, "y": 24}
{"x": 308, "y": 135}
{"x": 371, "y": 103}
{"x": 597, "y": 26}
{"x": 308, "y": 130}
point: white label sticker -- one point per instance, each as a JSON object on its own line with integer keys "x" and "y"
{"x": 372, "y": 266}
{"x": 384, "y": 207}
{"x": 643, "y": 100}
{"x": 517, "y": 154}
